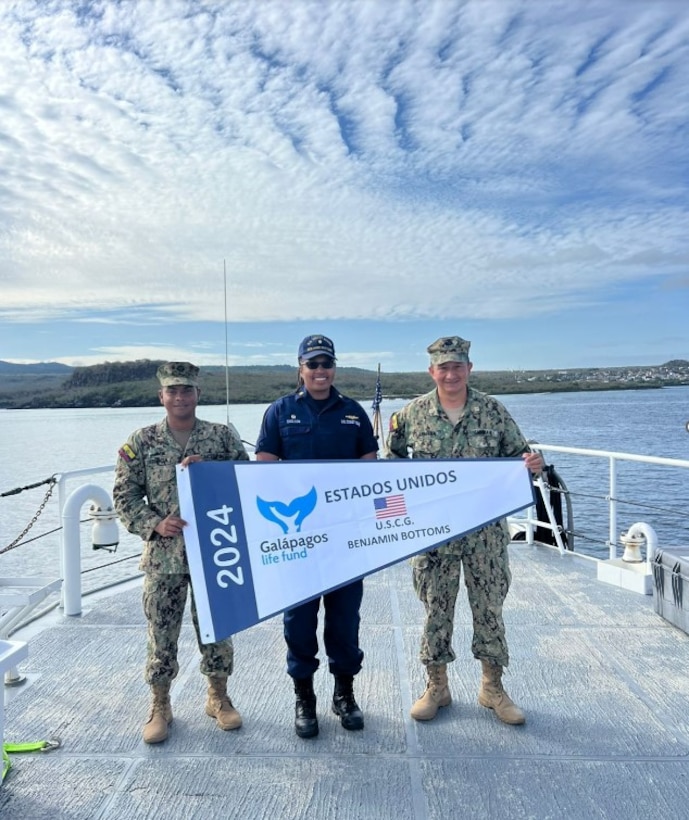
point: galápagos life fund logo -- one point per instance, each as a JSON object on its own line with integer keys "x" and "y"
{"x": 289, "y": 515}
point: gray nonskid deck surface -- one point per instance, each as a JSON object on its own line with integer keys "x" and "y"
{"x": 601, "y": 677}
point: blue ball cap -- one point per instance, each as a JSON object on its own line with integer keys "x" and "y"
{"x": 316, "y": 346}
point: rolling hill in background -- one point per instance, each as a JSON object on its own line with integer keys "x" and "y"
{"x": 134, "y": 384}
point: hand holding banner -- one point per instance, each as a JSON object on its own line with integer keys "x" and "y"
{"x": 262, "y": 537}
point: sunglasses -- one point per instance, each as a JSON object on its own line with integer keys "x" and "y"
{"x": 328, "y": 364}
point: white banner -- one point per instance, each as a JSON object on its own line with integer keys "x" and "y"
{"x": 262, "y": 537}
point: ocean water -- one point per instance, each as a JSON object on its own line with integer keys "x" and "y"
{"x": 39, "y": 443}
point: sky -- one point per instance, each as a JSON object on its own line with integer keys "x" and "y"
{"x": 213, "y": 181}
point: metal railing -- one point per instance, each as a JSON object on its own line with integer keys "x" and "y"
{"x": 611, "y": 495}
{"x": 70, "y": 515}
{"x": 20, "y": 597}
{"x": 71, "y": 539}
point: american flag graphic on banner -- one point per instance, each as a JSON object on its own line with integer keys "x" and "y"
{"x": 389, "y": 506}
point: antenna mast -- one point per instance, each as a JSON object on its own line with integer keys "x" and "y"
{"x": 227, "y": 369}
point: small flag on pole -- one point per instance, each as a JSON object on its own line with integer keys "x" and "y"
{"x": 378, "y": 394}
{"x": 375, "y": 406}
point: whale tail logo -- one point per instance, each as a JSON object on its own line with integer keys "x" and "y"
{"x": 281, "y": 514}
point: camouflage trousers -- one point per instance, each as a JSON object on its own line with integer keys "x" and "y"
{"x": 164, "y": 600}
{"x": 436, "y": 576}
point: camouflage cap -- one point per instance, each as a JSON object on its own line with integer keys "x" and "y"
{"x": 449, "y": 349}
{"x": 172, "y": 373}
{"x": 316, "y": 346}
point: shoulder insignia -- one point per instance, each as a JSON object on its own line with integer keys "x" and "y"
{"x": 394, "y": 424}
{"x": 126, "y": 453}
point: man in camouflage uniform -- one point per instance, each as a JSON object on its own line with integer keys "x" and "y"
{"x": 145, "y": 497}
{"x": 456, "y": 421}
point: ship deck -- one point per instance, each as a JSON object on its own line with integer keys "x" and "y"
{"x": 602, "y": 678}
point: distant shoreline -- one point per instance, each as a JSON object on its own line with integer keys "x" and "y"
{"x": 134, "y": 384}
{"x": 100, "y": 403}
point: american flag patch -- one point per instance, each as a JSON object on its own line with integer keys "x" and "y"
{"x": 389, "y": 506}
{"x": 127, "y": 453}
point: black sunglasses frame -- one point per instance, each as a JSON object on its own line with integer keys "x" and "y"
{"x": 328, "y": 364}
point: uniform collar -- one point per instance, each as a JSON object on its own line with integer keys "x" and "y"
{"x": 334, "y": 397}
{"x": 164, "y": 427}
{"x": 439, "y": 408}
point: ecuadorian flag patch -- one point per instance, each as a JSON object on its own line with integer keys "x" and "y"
{"x": 127, "y": 453}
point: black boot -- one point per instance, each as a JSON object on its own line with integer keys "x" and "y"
{"x": 344, "y": 705}
{"x": 305, "y": 720}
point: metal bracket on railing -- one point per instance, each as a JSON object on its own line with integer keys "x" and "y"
{"x": 551, "y": 515}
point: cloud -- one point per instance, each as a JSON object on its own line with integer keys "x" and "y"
{"x": 346, "y": 160}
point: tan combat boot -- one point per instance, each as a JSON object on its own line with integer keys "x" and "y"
{"x": 437, "y": 694}
{"x": 493, "y": 696}
{"x": 219, "y": 706}
{"x": 160, "y": 716}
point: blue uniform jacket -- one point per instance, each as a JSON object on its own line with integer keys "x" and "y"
{"x": 298, "y": 427}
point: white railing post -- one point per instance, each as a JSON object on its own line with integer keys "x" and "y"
{"x": 612, "y": 521}
{"x": 71, "y": 542}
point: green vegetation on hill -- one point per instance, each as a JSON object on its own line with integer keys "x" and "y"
{"x": 133, "y": 384}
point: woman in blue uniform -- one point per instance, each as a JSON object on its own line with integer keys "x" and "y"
{"x": 314, "y": 422}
